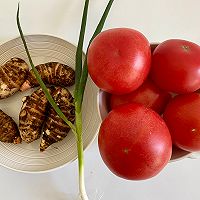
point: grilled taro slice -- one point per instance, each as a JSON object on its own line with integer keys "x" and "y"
{"x": 55, "y": 129}
{"x": 52, "y": 73}
{"x": 12, "y": 75}
{"x": 8, "y": 129}
{"x": 32, "y": 116}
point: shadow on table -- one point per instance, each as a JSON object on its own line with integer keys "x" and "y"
{"x": 57, "y": 196}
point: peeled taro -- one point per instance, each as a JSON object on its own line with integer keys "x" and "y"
{"x": 52, "y": 73}
{"x": 12, "y": 75}
{"x": 8, "y": 129}
{"x": 55, "y": 129}
{"x": 32, "y": 116}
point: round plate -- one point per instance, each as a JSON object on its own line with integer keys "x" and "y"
{"x": 27, "y": 157}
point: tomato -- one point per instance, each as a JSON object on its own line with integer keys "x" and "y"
{"x": 134, "y": 142}
{"x": 176, "y": 66}
{"x": 148, "y": 94}
{"x": 119, "y": 60}
{"x": 183, "y": 121}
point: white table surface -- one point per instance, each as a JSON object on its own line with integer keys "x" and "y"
{"x": 158, "y": 20}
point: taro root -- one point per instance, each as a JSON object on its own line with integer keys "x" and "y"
{"x": 12, "y": 75}
{"x": 52, "y": 73}
{"x": 8, "y": 129}
{"x": 32, "y": 116}
{"x": 55, "y": 129}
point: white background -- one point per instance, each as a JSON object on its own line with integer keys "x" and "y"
{"x": 158, "y": 20}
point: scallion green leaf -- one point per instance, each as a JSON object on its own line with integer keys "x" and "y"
{"x": 39, "y": 79}
{"x": 84, "y": 76}
{"x": 78, "y": 67}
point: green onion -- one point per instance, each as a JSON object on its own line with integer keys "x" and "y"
{"x": 80, "y": 82}
{"x": 78, "y": 68}
{"x": 39, "y": 79}
{"x": 80, "y": 93}
{"x": 84, "y": 76}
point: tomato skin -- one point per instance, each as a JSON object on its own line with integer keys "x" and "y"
{"x": 119, "y": 60}
{"x": 147, "y": 94}
{"x": 176, "y": 66}
{"x": 182, "y": 118}
{"x": 134, "y": 142}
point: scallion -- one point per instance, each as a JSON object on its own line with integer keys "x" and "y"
{"x": 81, "y": 75}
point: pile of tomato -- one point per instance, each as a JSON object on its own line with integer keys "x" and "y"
{"x": 154, "y": 100}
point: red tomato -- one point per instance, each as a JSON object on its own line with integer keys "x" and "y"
{"x": 119, "y": 60}
{"x": 148, "y": 94}
{"x": 134, "y": 142}
{"x": 182, "y": 118}
{"x": 176, "y": 66}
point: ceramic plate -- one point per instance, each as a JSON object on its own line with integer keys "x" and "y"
{"x": 27, "y": 157}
